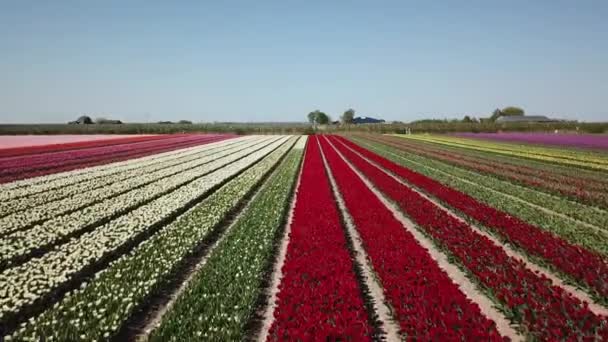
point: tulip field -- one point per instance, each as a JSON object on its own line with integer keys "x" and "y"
{"x": 359, "y": 237}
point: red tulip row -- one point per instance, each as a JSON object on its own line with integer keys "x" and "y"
{"x": 586, "y": 190}
{"x": 574, "y": 260}
{"x": 77, "y": 145}
{"x": 33, "y": 166}
{"x": 426, "y": 303}
{"x": 319, "y": 297}
{"x": 545, "y": 311}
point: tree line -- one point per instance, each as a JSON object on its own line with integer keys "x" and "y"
{"x": 318, "y": 117}
{"x": 497, "y": 113}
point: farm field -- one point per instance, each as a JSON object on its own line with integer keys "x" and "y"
{"x": 324, "y": 237}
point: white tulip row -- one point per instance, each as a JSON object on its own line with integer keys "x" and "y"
{"x": 135, "y": 169}
{"x": 22, "y": 286}
{"x": 99, "y": 308}
{"x": 34, "y": 185}
{"x": 301, "y": 143}
{"x": 45, "y": 234}
{"x": 98, "y": 192}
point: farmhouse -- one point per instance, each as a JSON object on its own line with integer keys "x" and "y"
{"x": 366, "y": 120}
{"x": 524, "y": 118}
{"x": 83, "y": 120}
{"x": 109, "y": 122}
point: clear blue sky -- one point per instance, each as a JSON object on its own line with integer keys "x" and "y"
{"x": 278, "y": 60}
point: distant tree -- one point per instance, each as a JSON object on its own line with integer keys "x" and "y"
{"x": 467, "y": 119}
{"x": 348, "y": 116}
{"x": 185, "y": 122}
{"x": 322, "y": 118}
{"x": 512, "y": 111}
{"x": 318, "y": 118}
{"x": 507, "y": 111}
{"x": 312, "y": 117}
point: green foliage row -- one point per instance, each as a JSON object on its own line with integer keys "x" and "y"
{"x": 221, "y": 299}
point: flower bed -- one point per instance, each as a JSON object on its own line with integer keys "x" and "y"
{"x": 425, "y": 301}
{"x": 570, "y": 259}
{"x": 107, "y": 185}
{"x": 33, "y": 166}
{"x": 221, "y": 299}
{"x": 36, "y": 144}
{"x": 571, "y": 184}
{"x": 16, "y": 246}
{"x": 544, "y": 311}
{"x": 36, "y": 281}
{"x": 98, "y": 309}
{"x": 598, "y": 141}
{"x": 319, "y": 297}
{"x": 132, "y": 182}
